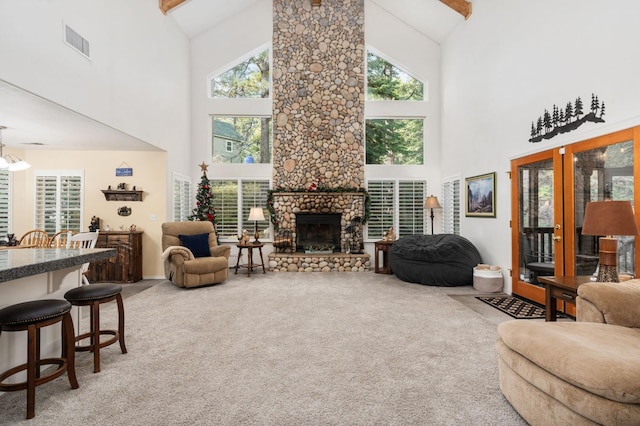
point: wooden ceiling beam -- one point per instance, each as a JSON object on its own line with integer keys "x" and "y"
{"x": 463, "y": 7}
{"x": 167, "y": 5}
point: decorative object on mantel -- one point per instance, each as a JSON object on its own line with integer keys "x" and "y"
{"x": 272, "y": 211}
{"x": 565, "y": 120}
{"x": 124, "y": 211}
{"x": 11, "y": 162}
{"x": 124, "y": 170}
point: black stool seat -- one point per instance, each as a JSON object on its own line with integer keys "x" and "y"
{"x": 31, "y": 317}
{"x": 93, "y": 295}
{"x": 92, "y": 292}
{"x": 34, "y": 311}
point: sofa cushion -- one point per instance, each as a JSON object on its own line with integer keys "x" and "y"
{"x": 600, "y": 358}
{"x": 198, "y": 244}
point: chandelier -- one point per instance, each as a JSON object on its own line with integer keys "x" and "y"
{"x": 11, "y": 162}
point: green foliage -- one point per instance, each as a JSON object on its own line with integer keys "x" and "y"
{"x": 255, "y": 135}
{"x": 395, "y": 141}
{"x": 385, "y": 81}
{"x": 249, "y": 79}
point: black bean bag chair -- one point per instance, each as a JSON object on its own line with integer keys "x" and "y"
{"x": 440, "y": 260}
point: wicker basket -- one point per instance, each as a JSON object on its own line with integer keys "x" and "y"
{"x": 488, "y": 279}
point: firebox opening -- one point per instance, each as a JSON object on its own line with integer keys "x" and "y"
{"x": 318, "y": 232}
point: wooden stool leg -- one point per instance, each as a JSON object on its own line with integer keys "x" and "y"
{"x": 95, "y": 335}
{"x": 68, "y": 349}
{"x": 32, "y": 365}
{"x": 123, "y": 348}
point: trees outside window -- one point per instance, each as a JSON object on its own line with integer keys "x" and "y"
{"x": 395, "y": 141}
{"x": 248, "y": 79}
{"x": 241, "y": 139}
{"x": 386, "y": 81}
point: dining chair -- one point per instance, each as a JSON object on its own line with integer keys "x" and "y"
{"x": 59, "y": 239}
{"x": 82, "y": 240}
{"x": 35, "y": 238}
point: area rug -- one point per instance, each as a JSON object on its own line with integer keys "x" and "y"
{"x": 517, "y": 308}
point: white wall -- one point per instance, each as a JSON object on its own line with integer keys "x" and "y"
{"x": 137, "y": 80}
{"x": 510, "y": 61}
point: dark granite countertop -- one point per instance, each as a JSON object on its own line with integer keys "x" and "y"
{"x": 19, "y": 263}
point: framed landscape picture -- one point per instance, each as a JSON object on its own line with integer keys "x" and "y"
{"x": 481, "y": 195}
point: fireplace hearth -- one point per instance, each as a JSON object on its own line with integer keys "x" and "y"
{"x": 318, "y": 233}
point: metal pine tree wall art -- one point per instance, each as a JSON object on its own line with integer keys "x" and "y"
{"x": 565, "y": 120}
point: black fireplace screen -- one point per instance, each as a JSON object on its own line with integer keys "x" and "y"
{"x": 318, "y": 232}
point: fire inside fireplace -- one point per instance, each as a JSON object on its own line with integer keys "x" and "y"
{"x": 318, "y": 232}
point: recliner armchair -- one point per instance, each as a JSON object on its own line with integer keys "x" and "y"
{"x": 181, "y": 266}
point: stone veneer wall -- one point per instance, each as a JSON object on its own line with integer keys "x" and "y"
{"x": 318, "y": 93}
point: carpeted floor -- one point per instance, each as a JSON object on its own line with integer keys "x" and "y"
{"x": 287, "y": 349}
{"x": 515, "y": 307}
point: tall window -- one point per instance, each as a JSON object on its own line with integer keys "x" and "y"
{"x": 233, "y": 199}
{"x": 451, "y": 206}
{"x": 241, "y": 139}
{"x": 182, "y": 202}
{"x": 398, "y": 204}
{"x": 393, "y": 140}
{"x": 58, "y": 203}
{"x": 248, "y": 79}
{"x": 5, "y": 207}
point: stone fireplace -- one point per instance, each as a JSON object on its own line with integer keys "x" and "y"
{"x": 318, "y": 233}
{"x": 318, "y": 122}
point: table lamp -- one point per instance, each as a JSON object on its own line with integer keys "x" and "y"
{"x": 256, "y": 214}
{"x": 432, "y": 203}
{"x": 605, "y": 219}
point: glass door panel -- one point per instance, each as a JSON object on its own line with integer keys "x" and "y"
{"x": 602, "y": 173}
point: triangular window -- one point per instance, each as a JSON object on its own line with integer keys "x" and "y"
{"x": 248, "y": 79}
{"x": 388, "y": 82}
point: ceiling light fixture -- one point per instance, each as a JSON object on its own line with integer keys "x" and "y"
{"x": 11, "y": 162}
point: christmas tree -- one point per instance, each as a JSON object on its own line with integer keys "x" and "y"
{"x": 204, "y": 209}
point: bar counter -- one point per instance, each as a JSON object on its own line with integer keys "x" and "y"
{"x": 20, "y": 263}
{"x": 39, "y": 273}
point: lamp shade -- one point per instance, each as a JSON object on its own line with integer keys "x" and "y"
{"x": 256, "y": 213}
{"x": 609, "y": 218}
{"x": 432, "y": 203}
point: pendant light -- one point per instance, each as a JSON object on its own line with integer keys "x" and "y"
{"x": 11, "y": 162}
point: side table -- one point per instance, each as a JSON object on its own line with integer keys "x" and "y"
{"x": 383, "y": 246}
{"x": 249, "y": 265}
{"x": 562, "y": 288}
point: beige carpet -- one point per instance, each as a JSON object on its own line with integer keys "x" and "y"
{"x": 287, "y": 349}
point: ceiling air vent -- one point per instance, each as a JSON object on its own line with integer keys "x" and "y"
{"x": 76, "y": 41}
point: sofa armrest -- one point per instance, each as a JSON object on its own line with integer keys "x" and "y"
{"x": 217, "y": 251}
{"x": 177, "y": 254}
{"x": 611, "y": 303}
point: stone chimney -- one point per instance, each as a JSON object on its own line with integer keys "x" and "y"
{"x": 318, "y": 94}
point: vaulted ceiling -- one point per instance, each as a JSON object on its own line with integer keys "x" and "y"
{"x": 60, "y": 128}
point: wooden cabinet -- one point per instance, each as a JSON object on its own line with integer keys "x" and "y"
{"x": 126, "y": 267}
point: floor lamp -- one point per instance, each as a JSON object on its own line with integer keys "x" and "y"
{"x": 606, "y": 219}
{"x": 432, "y": 203}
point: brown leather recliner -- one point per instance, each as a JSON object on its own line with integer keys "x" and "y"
{"x": 181, "y": 267}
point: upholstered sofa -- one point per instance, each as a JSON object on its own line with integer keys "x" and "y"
{"x": 582, "y": 372}
{"x": 191, "y": 254}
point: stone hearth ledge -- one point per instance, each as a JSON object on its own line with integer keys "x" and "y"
{"x": 303, "y": 262}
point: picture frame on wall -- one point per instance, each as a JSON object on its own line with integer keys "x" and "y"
{"x": 480, "y": 194}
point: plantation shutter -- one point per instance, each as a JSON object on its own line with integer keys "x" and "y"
{"x": 451, "y": 206}
{"x": 254, "y": 194}
{"x": 225, "y": 201}
{"x": 58, "y": 203}
{"x": 5, "y": 217}
{"x": 381, "y": 194}
{"x": 411, "y": 196}
{"x": 181, "y": 197}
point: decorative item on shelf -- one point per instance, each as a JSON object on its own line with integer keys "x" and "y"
{"x": 606, "y": 219}
{"x": 122, "y": 186}
{"x": 565, "y": 120}
{"x": 256, "y": 214}
{"x": 10, "y": 162}
{"x": 133, "y": 228}
{"x": 315, "y": 185}
{"x": 432, "y": 203}
{"x": 95, "y": 224}
{"x": 390, "y": 235}
{"x": 124, "y": 211}
{"x": 107, "y": 228}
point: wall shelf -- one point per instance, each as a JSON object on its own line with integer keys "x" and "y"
{"x": 121, "y": 195}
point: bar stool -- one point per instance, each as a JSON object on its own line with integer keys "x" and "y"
{"x": 94, "y": 295}
{"x": 32, "y": 316}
